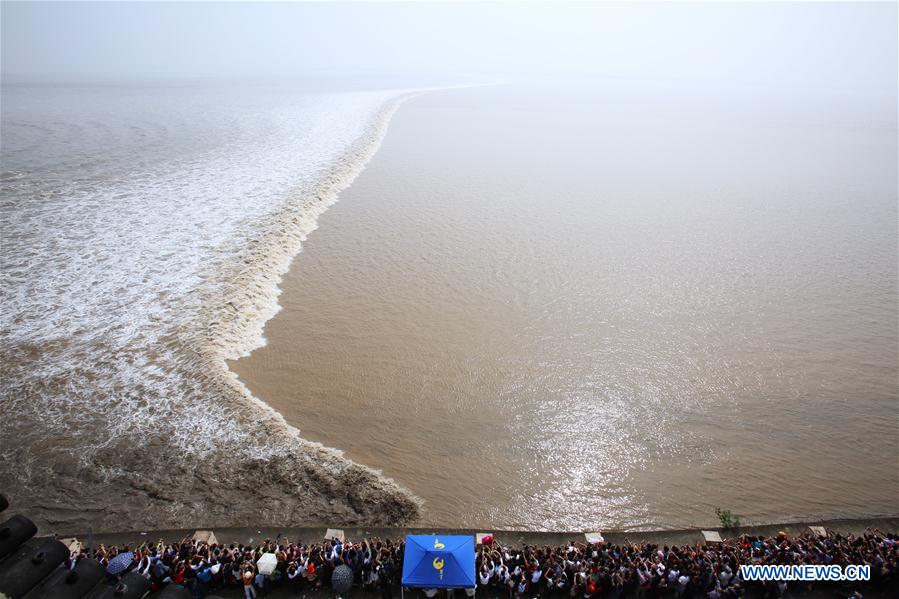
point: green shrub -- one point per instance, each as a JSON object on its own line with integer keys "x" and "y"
{"x": 728, "y": 519}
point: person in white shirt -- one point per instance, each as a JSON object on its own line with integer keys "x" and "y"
{"x": 503, "y": 575}
{"x": 485, "y": 575}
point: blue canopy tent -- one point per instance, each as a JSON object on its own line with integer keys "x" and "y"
{"x": 439, "y": 562}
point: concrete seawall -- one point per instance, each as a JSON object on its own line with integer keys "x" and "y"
{"x": 312, "y": 534}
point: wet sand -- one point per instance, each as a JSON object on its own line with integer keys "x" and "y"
{"x": 561, "y": 310}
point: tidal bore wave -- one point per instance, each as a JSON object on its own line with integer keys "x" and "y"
{"x": 144, "y": 241}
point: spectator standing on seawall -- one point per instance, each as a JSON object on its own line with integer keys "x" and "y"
{"x": 248, "y": 578}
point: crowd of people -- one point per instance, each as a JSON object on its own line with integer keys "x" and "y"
{"x": 574, "y": 571}
{"x": 686, "y": 571}
{"x": 306, "y": 568}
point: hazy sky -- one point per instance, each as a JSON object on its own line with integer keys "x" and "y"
{"x": 802, "y": 44}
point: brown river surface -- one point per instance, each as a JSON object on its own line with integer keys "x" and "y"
{"x": 611, "y": 307}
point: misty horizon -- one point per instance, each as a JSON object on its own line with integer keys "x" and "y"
{"x": 771, "y": 45}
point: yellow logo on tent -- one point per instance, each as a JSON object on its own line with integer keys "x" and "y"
{"x": 438, "y": 544}
{"x": 438, "y": 564}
